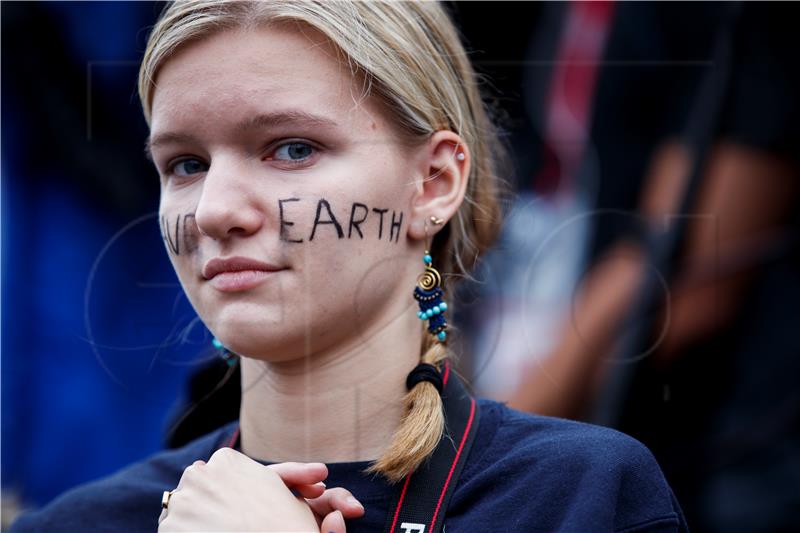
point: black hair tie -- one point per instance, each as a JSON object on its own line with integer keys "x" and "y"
{"x": 425, "y": 372}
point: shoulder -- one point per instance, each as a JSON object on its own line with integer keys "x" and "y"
{"x": 564, "y": 475}
{"x": 129, "y": 500}
{"x": 543, "y": 440}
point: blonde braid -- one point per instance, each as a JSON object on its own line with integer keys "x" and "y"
{"x": 422, "y": 425}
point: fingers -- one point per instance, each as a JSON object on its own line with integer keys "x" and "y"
{"x": 304, "y": 478}
{"x": 333, "y": 523}
{"x": 310, "y": 491}
{"x": 337, "y": 499}
{"x": 300, "y": 473}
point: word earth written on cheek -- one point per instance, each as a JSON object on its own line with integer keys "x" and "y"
{"x": 180, "y": 235}
{"x": 358, "y": 215}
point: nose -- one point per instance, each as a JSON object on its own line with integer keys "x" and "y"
{"x": 228, "y": 206}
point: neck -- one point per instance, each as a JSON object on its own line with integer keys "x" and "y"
{"x": 340, "y": 404}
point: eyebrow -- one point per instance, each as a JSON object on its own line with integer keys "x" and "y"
{"x": 259, "y": 121}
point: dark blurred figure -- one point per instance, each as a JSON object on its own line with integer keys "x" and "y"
{"x": 712, "y": 386}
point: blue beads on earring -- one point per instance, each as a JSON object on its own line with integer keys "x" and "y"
{"x": 429, "y": 294}
{"x": 225, "y": 354}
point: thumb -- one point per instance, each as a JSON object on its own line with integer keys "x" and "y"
{"x": 333, "y": 523}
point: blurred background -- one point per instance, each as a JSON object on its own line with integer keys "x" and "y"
{"x": 646, "y": 279}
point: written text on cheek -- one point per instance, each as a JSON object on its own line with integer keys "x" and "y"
{"x": 180, "y": 234}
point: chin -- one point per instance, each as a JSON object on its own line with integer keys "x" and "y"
{"x": 252, "y": 332}
{"x": 269, "y": 341}
{"x": 253, "y": 340}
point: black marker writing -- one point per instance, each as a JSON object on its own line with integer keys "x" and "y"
{"x": 395, "y": 225}
{"x": 185, "y": 233}
{"x": 189, "y": 233}
{"x": 355, "y": 223}
{"x": 284, "y": 223}
{"x": 380, "y": 227}
{"x": 172, "y": 244}
{"x": 331, "y": 219}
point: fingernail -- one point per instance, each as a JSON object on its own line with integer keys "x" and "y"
{"x": 340, "y": 519}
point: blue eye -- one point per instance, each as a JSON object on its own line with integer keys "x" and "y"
{"x": 192, "y": 166}
{"x": 293, "y": 152}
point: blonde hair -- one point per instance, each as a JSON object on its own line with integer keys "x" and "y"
{"x": 411, "y": 59}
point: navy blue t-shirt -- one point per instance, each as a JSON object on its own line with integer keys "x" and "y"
{"x": 524, "y": 473}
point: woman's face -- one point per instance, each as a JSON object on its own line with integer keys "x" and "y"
{"x": 285, "y": 202}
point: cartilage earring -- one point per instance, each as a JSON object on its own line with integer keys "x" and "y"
{"x": 429, "y": 294}
{"x": 224, "y": 353}
{"x": 460, "y": 156}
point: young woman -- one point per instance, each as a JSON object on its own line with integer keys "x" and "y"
{"x": 320, "y": 164}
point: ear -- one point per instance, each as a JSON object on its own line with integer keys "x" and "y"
{"x": 441, "y": 190}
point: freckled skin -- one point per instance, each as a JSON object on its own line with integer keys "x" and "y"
{"x": 230, "y": 207}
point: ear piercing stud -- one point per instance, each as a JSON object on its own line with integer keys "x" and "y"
{"x": 460, "y": 156}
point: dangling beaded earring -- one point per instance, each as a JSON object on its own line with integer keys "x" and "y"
{"x": 429, "y": 294}
{"x": 224, "y": 353}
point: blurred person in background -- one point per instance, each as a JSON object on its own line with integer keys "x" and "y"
{"x": 713, "y": 387}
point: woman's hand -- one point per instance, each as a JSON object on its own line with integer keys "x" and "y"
{"x": 234, "y": 492}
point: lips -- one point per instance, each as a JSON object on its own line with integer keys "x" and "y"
{"x": 237, "y": 273}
